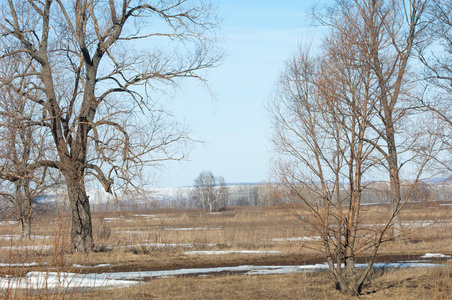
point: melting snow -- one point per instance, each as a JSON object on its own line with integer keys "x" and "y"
{"x": 18, "y": 237}
{"x": 96, "y": 266}
{"x": 231, "y": 252}
{"x": 52, "y": 280}
{"x": 434, "y": 255}
{"x": 161, "y": 245}
{"x": 112, "y": 219}
{"x": 302, "y": 238}
{"x": 188, "y": 228}
{"x": 19, "y": 248}
{"x": 145, "y": 216}
{"x": 33, "y": 264}
{"x": 8, "y": 222}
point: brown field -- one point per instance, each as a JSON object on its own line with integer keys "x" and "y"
{"x": 159, "y": 240}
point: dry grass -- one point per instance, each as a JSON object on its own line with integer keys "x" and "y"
{"x": 158, "y": 240}
{"x": 399, "y": 284}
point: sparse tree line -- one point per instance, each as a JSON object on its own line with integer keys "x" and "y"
{"x": 260, "y": 194}
{"x": 230, "y": 195}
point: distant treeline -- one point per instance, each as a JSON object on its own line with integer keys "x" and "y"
{"x": 261, "y": 194}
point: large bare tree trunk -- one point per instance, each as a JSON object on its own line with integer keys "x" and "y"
{"x": 19, "y": 209}
{"x": 28, "y": 213}
{"x": 25, "y": 220}
{"x": 23, "y": 203}
{"x": 81, "y": 228}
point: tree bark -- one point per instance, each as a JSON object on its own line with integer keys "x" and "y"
{"x": 394, "y": 181}
{"x": 81, "y": 228}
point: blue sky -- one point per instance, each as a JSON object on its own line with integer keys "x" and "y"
{"x": 258, "y": 37}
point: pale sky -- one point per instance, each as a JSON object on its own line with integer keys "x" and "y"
{"x": 259, "y": 36}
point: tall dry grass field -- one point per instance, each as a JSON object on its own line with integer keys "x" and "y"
{"x": 168, "y": 240}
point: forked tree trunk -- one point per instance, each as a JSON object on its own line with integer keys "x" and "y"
{"x": 346, "y": 279}
{"x": 81, "y": 227}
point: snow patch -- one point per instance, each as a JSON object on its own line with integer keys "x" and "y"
{"x": 231, "y": 252}
{"x": 301, "y": 238}
{"x": 19, "y": 248}
{"x": 188, "y": 228}
{"x": 67, "y": 281}
{"x": 53, "y": 280}
{"x": 161, "y": 245}
{"x": 145, "y": 216}
{"x": 434, "y": 255}
{"x": 8, "y": 222}
{"x": 10, "y": 237}
{"x": 33, "y": 264}
{"x": 96, "y": 266}
{"x": 112, "y": 219}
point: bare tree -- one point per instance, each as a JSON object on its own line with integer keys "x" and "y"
{"x": 21, "y": 146}
{"x": 210, "y": 192}
{"x": 388, "y": 30}
{"x": 91, "y": 68}
{"x": 320, "y": 125}
{"x": 329, "y": 145}
{"x": 435, "y": 52}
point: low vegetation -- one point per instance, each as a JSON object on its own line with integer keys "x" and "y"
{"x": 160, "y": 240}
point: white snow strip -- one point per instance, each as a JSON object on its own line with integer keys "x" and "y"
{"x": 416, "y": 261}
{"x": 52, "y": 280}
{"x": 162, "y": 245}
{"x": 18, "y": 237}
{"x": 145, "y": 216}
{"x": 188, "y": 228}
{"x": 8, "y": 222}
{"x": 301, "y": 238}
{"x": 324, "y": 267}
{"x": 434, "y": 255}
{"x": 158, "y": 245}
{"x": 33, "y": 264}
{"x": 418, "y": 224}
{"x": 96, "y": 266}
{"x": 112, "y": 219}
{"x": 19, "y": 248}
{"x": 231, "y": 252}
{"x": 66, "y": 281}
